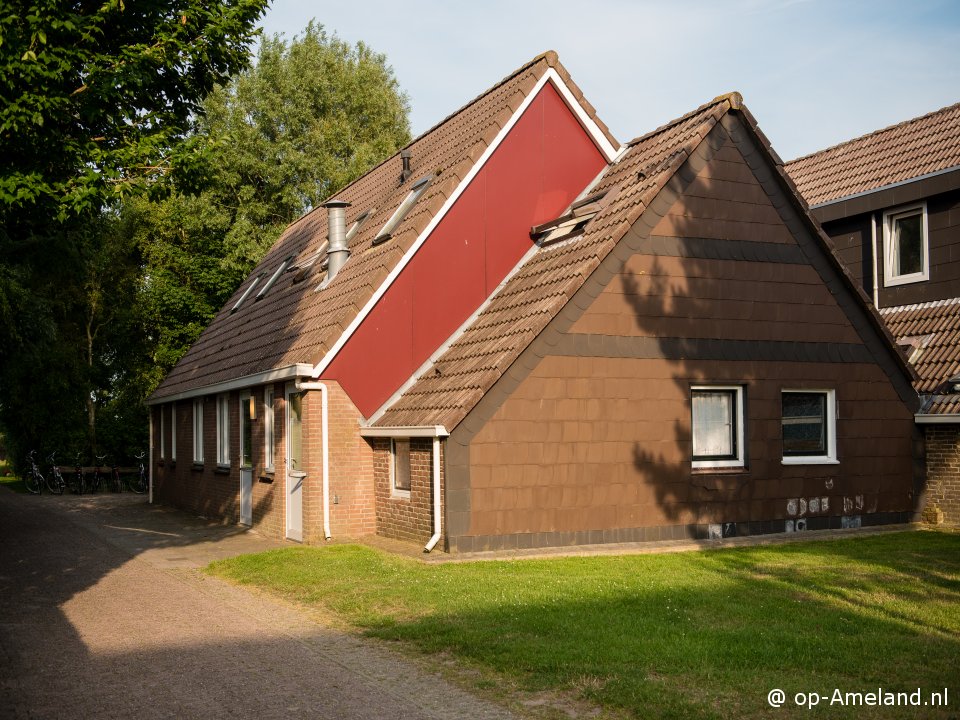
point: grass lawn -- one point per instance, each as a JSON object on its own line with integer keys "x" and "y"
{"x": 687, "y": 635}
{"x": 10, "y": 481}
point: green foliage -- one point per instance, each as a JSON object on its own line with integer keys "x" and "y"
{"x": 681, "y": 635}
{"x": 94, "y": 96}
{"x": 310, "y": 116}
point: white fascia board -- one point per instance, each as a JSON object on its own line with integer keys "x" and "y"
{"x": 922, "y": 419}
{"x": 261, "y": 378}
{"x": 589, "y": 125}
{"x": 405, "y": 431}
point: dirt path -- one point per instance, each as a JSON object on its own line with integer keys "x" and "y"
{"x": 104, "y": 614}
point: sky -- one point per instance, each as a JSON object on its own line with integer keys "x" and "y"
{"x": 813, "y": 72}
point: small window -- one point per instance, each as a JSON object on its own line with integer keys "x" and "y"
{"x": 223, "y": 430}
{"x": 400, "y": 466}
{"x": 163, "y": 430}
{"x": 717, "y": 426}
{"x": 198, "y": 430}
{"x": 415, "y": 192}
{"x": 246, "y": 293}
{"x": 358, "y": 223}
{"x": 906, "y": 245}
{"x": 273, "y": 278}
{"x": 304, "y": 268}
{"x": 173, "y": 431}
{"x": 268, "y": 436}
{"x": 809, "y": 427}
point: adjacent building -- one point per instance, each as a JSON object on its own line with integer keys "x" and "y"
{"x": 890, "y": 202}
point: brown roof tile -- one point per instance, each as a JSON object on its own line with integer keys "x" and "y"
{"x": 911, "y": 149}
{"x": 931, "y": 333}
{"x": 295, "y": 324}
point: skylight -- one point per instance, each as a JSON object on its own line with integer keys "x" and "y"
{"x": 304, "y": 268}
{"x": 246, "y": 293}
{"x": 273, "y": 278}
{"x": 355, "y": 228}
{"x": 415, "y": 192}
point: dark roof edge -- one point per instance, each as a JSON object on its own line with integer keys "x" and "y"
{"x": 734, "y": 99}
{"x": 804, "y": 212}
{"x": 872, "y": 134}
{"x": 889, "y": 186}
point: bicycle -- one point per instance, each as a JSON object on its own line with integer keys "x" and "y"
{"x": 140, "y": 484}
{"x": 97, "y": 475}
{"x": 116, "y": 482}
{"x": 55, "y": 483}
{"x": 78, "y": 484}
{"x": 34, "y": 480}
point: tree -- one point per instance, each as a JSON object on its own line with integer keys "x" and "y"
{"x": 310, "y": 116}
{"x": 96, "y": 101}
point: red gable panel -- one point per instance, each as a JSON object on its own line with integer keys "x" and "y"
{"x": 544, "y": 162}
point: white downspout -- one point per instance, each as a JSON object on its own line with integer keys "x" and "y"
{"x": 324, "y": 426}
{"x": 150, "y": 458}
{"x": 875, "y": 260}
{"x": 436, "y": 497}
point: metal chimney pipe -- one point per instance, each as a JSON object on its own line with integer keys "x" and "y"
{"x": 405, "y": 159}
{"x": 337, "y": 250}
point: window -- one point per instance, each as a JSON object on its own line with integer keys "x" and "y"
{"x": 401, "y": 212}
{"x": 400, "y": 466}
{"x": 173, "y": 431}
{"x": 717, "y": 426}
{"x": 269, "y": 447}
{"x": 163, "y": 429}
{"x": 223, "y": 429}
{"x": 247, "y": 415}
{"x": 246, "y": 293}
{"x": 358, "y": 223}
{"x": 273, "y": 278}
{"x": 198, "y": 430}
{"x": 809, "y": 427}
{"x": 906, "y": 245}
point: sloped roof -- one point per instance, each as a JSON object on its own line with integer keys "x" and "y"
{"x": 911, "y": 149}
{"x": 532, "y": 297}
{"x": 294, "y": 323}
{"x": 930, "y": 334}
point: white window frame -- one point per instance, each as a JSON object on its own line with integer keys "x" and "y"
{"x": 173, "y": 431}
{"x": 394, "y": 490}
{"x": 163, "y": 427}
{"x": 890, "y": 217}
{"x": 830, "y": 458}
{"x": 198, "y": 430}
{"x": 269, "y": 434}
{"x": 223, "y": 430}
{"x": 739, "y": 461}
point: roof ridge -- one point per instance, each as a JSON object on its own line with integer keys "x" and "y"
{"x": 882, "y": 130}
{"x": 734, "y": 98}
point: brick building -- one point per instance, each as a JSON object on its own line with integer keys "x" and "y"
{"x": 890, "y": 201}
{"x": 518, "y": 332}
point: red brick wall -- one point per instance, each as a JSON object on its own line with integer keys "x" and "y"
{"x": 943, "y": 474}
{"x": 214, "y": 492}
{"x": 401, "y": 517}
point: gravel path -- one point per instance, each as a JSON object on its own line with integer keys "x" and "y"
{"x": 104, "y": 614}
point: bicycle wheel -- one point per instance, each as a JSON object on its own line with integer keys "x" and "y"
{"x": 95, "y": 481}
{"x": 137, "y": 485}
{"x": 55, "y": 483}
{"x": 32, "y": 483}
{"x": 76, "y": 483}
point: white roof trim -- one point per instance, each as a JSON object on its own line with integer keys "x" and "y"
{"x": 890, "y": 186}
{"x": 599, "y": 139}
{"x": 403, "y": 431}
{"x": 923, "y": 419}
{"x": 267, "y": 376}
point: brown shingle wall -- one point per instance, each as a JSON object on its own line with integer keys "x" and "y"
{"x": 683, "y": 297}
{"x": 406, "y": 518}
{"x": 596, "y": 443}
{"x": 943, "y": 474}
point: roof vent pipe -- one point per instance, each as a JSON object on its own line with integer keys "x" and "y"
{"x": 337, "y": 250}
{"x": 405, "y": 158}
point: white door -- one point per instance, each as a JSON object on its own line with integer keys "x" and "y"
{"x": 246, "y": 459}
{"x": 295, "y": 475}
